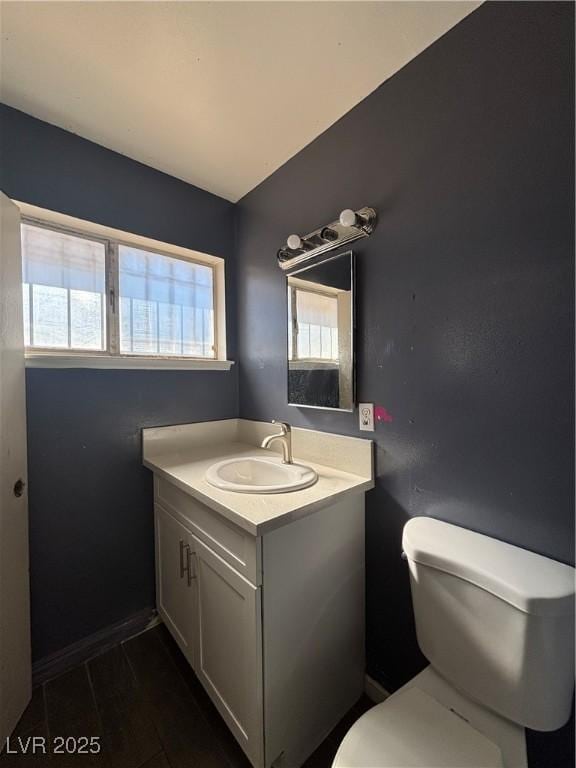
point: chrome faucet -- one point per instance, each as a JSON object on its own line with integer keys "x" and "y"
{"x": 285, "y": 438}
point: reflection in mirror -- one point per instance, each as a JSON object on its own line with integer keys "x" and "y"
{"x": 320, "y": 335}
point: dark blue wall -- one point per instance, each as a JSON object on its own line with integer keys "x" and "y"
{"x": 91, "y": 517}
{"x": 91, "y": 522}
{"x": 465, "y": 294}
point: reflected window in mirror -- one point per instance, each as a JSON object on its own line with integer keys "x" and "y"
{"x": 320, "y": 334}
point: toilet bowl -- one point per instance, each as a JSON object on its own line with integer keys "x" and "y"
{"x": 497, "y": 624}
{"x": 428, "y": 724}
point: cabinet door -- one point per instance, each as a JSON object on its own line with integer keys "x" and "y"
{"x": 175, "y": 589}
{"x": 229, "y": 647}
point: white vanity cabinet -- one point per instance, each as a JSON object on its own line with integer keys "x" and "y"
{"x": 272, "y": 624}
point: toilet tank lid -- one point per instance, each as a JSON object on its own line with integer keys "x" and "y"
{"x": 531, "y": 582}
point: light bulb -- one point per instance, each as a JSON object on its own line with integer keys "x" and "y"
{"x": 348, "y": 218}
{"x": 294, "y": 242}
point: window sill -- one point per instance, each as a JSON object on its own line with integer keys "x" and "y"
{"x": 140, "y": 362}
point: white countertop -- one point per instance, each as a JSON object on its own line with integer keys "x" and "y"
{"x": 184, "y": 463}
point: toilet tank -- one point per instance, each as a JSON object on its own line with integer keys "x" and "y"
{"x": 495, "y": 620}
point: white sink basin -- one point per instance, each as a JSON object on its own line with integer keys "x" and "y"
{"x": 257, "y": 475}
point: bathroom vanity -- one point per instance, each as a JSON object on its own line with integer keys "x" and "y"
{"x": 264, "y": 593}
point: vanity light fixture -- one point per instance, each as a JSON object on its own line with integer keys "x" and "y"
{"x": 351, "y": 225}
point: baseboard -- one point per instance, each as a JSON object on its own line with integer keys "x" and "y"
{"x": 374, "y": 690}
{"x": 79, "y": 652}
{"x": 85, "y": 649}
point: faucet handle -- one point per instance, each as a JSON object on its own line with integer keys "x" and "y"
{"x": 286, "y": 429}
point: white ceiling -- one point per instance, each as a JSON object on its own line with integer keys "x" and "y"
{"x": 219, "y": 94}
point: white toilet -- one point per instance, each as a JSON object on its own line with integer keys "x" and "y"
{"x": 497, "y": 624}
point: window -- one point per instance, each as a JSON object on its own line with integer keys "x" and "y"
{"x": 314, "y": 319}
{"x": 85, "y": 294}
{"x": 64, "y": 289}
{"x": 166, "y": 305}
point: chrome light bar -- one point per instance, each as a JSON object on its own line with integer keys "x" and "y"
{"x": 351, "y": 225}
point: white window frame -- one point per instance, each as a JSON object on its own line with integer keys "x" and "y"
{"x": 112, "y": 357}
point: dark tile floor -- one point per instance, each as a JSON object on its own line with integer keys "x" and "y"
{"x": 149, "y": 710}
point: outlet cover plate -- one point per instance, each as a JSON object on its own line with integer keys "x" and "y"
{"x": 366, "y": 417}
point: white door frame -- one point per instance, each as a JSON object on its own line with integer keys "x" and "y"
{"x": 15, "y": 656}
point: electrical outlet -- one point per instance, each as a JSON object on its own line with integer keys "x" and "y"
{"x": 366, "y": 417}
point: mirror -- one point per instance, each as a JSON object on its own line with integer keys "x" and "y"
{"x": 321, "y": 335}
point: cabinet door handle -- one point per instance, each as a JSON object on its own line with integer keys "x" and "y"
{"x": 189, "y": 556}
{"x": 182, "y": 566}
